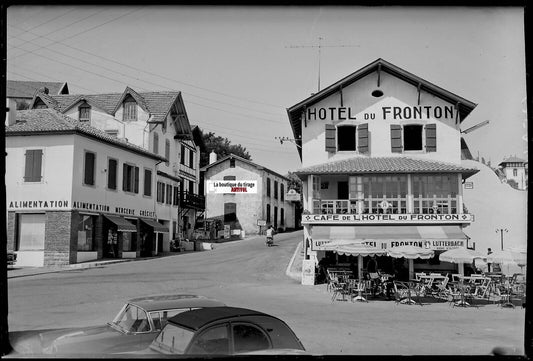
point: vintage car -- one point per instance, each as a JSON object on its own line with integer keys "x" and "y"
{"x": 11, "y": 258}
{"x": 225, "y": 331}
{"x": 134, "y": 328}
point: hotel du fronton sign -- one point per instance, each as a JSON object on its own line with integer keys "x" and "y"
{"x": 387, "y": 112}
{"x": 385, "y": 218}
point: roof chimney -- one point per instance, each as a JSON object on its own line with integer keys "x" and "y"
{"x": 212, "y": 157}
{"x": 11, "y": 112}
{"x": 44, "y": 90}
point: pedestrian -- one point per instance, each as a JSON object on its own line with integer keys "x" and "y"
{"x": 270, "y": 236}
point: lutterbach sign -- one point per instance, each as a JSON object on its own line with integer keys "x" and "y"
{"x": 231, "y": 186}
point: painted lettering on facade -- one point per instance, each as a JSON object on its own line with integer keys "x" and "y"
{"x": 387, "y": 218}
{"x": 38, "y": 204}
{"x": 339, "y": 113}
{"x": 418, "y": 112}
{"x": 222, "y": 186}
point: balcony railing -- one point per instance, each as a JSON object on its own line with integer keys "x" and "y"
{"x": 385, "y": 205}
{"x": 191, "y": 200}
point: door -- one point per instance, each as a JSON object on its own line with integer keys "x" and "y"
{"x": 342, "y": 190}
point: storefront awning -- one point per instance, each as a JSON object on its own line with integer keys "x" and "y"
{"x": 434, "y": 237}
{"x": 122, "y": 224}
{"x": 158, "y": 227}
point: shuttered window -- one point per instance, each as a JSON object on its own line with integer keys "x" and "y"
{"x": 330, "y": 138}
{"x": 412, "y": 137}
{"x": 130, "y": 109}
{"x": 167, "y": 151}
{"x": 32, "y": 170}
{"x": 90, "y": 159}
{"x": 112, "y": 173}
{"x": 148, "y": 182}
{"x": 362, "y": 138}
{"x": 169, "y": 194}
{"x": 130, "y": 178}
{"x": 396, "y": 138}
{"x": 268, "y": 187}
{"x": 156, "y": 143}
{"x": 431, "y": 137}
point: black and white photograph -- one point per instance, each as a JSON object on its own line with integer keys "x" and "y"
{"x": 295, "y": 180}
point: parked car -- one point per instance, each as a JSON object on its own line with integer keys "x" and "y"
{"x": 11, "y": 258}
{"x": 136, "y": 325}
{"x": 225, "y": 331}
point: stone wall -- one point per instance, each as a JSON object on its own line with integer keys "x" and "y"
{"x": 59, "y": 249}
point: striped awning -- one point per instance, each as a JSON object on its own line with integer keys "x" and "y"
{"x": 158, "y": 227}
{"x": 122, "y": 224}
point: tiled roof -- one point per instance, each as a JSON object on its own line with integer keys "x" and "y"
{"x": 234, "y": 156}
{"x": 157, "y": 103}
{"x": 26, "y": 89}
{"x": 49, "y": 121}
{"x": 513, "y": 160}
{"x": 385, "y": 165}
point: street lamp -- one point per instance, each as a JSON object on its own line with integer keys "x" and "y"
{"x": 501, "y": 230}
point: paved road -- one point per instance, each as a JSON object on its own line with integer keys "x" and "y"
{"x": 248, "y": 274}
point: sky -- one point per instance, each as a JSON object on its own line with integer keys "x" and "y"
{"x": 240, "y": 68}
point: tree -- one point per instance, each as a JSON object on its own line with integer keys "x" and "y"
{"x": 295, "y": 182}
{"x": 221, "y": 146}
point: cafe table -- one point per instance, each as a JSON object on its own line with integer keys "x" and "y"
{"x": 411, "y": 287}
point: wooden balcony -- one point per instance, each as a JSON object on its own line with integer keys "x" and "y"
{"x": 191, "y": 200}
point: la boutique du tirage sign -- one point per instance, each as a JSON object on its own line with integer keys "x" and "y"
{"x": 231, "y": 186}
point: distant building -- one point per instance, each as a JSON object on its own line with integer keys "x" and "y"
{"x": 244, "y": 195}
{"x": 515, "y": 170}
{"x": 22, "y": 92}
{"x": 75, "y": 193}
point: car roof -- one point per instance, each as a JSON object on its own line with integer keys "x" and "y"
{"x": 196, "y": 319}
{"x": 165, "y": 302}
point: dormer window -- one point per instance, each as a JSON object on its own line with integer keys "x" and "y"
{"x": 39, "y": 104}
{"x": 130, "y": 109}
{"x": 84, "y": 111}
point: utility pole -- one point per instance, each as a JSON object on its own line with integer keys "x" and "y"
{"x": 320, "y": 46}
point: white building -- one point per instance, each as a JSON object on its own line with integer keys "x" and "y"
{"x": 515, "y": 169}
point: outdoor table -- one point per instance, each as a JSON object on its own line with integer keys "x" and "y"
{"x": 411, "y": 287}
{"x": 429, "y": 279}
{"x": 462, "y": 302}
{"x": 358, "y": 286}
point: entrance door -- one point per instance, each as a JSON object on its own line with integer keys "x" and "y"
{"x": 342, "y": 190}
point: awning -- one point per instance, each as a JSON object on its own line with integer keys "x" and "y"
{"x": 439, "y": 237}
{"x": 122, "y": 224}
{"x": 158, "y": 227}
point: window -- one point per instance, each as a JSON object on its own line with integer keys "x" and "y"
{"x": 169, "y": 194}
{"x": 249, "y": 338}
{"x": 176, "y": 196}
{"x": 229, "y": 177}
{"x": 515, "y": 172}
{"x": 130, "y": 178}
{"x": 164, "y": 126}
{"x": 148, "y": 182}
{"x": 39, "y": 104}
{"x": 412, "y": 137}
{"x": 32, "y": 170}
{"x": 182, "y": 155}
{"x": 214, "y": 341}
{"x": 232, "y": 163}
{"x": 160, "y": 192}
{"x": 86, "y": 233}
{"x": 282, "y": 192}
{"x": 30, "y": 231}
{"x": 84, "y": 111}
{"x": 230, "y": 212}
{"x": 282, "y": 216}
{"x": 191, "y": 159}
{"x": 268, "y": 213}
{"x": 275, "y": 217}
{"x": 191, "y": 187}
{"x": 112, "y": 165}
{"x": 268, "y": 187}
{"x": 156, "y": 143}
{"x": 90, "y": 165}
{"x": 130, "y": 109}
{"x": 129, "y": 240}
{"x": 275, "y": 189}
{"x": 167, "y": 151}
{"x": 346, "y": 137}
{"x": 112, "y": 132}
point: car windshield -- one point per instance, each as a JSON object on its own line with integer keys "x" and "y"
{"x": 132, "y": 319}
{"x": 172, "y": 340}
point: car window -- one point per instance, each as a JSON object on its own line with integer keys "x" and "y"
{"x": 247, "y": 337}
{"x": 172, "y": 340}
{"x": 213, "y": 341}
{"x": 133, "y": 319}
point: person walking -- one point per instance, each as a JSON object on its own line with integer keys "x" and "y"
{"x": 270, "y": 236}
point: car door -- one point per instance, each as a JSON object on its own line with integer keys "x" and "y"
{"x": 248, "y": 337}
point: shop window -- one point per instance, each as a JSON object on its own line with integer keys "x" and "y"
{"x": 130, "y": 109}
{"x": 84, "y": 112}
{"x": 129, "y": 241}
{"x": 268, "y": 213}
{"x": 130, "y": 178}
{"x": 90, "y": 168}
{"x": 412, "y": 135}
{"x": 346, "y": 138}
{"x": 230, "y": 212}
{"x": 275, "y": 189}
{"x": 112, "y": 165}
{"x": 30, "y": 231}
{"x": 86, "y": 232}
{"x": 33, "y": 165}
{"x": 268, "y": 187}
{"x": 156, "y": 143}
{"x": 148, "y": 182}
{"x": 167, "y": 151}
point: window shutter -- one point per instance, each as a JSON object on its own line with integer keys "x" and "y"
{"x": 124, "y": 177}
{"x": 112, "y": 174}
{"x": 396, "y": 138}
{"x": 362, "y": 138}
{"x": 431, "y": 137}
{"x": 156, "y": 143}
{"x": 330, "y": 138}
{"x": 32, "y": 168}
{"x": 28, "y": 171}
{"x": 136, "y": 187}
{"x": 89, "y": 168}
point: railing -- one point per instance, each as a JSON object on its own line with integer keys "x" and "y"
{"x": 397, "y": 205}
{"x": 191, "y": 200}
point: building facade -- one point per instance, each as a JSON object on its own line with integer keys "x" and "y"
{"x": 515, "y": 170}
{"x": 381, "y": 164}
{"x": 76, "y": 193}
{"x": 156, "y": 122}
{"x": 246, "y": 196}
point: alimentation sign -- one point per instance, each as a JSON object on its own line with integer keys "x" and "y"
{"x": 231, "y": 186}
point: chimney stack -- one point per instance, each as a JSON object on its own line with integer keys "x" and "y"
{"x": 212, "y": 157}
{"x": 11, "y": 112}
